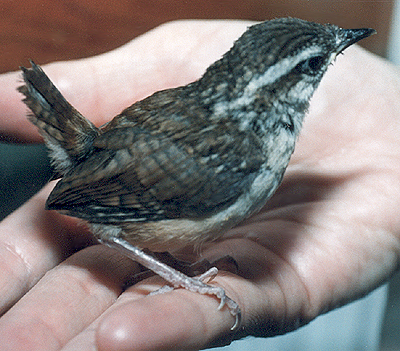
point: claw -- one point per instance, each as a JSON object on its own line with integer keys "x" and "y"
{"x": 235, "y": 311}
{"x": 238, "y": 322}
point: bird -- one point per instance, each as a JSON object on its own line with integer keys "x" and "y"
{"x": 183, "y": 165}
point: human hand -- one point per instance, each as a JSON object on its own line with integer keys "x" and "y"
{"x": 328, "y": 236}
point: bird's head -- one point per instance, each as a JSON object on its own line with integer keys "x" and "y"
{"x": 277, "y": 65}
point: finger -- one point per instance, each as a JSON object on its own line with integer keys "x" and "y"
{"x": 138, "y": 321}
{"x": 32, "y": 241}
{"x": 184, "y": 320}
{"x": 175, "y": 320}
{"x": 66, "y": 300}
{"x": 100, "y": 87}
{"x": 86, "y": 340}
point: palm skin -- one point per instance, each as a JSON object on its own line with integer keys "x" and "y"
{"x": 328, "y": 236}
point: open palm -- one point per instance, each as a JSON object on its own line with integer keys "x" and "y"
{"x": 328, "y": 236}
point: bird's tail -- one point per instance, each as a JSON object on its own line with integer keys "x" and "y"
{"x": 66, "y": 132}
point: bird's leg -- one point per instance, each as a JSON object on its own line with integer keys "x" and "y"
{"x": 175, "y": 278}
{"x": 226, "y": 263}
{"x": 188, "y": 268}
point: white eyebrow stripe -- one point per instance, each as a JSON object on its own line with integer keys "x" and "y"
{"x": 271, "y": 75}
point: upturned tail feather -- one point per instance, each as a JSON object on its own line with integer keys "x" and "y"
{"x": 66, "y": 132}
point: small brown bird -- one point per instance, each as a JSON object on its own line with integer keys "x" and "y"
{"x": 184, "y": 165}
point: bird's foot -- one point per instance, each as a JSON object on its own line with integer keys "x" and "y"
{"x": 177, "y": 279}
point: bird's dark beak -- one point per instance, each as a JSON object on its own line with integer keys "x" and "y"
{"x": 348, "y": 37}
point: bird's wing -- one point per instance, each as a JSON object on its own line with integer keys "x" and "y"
{"x": 135, "y": 174}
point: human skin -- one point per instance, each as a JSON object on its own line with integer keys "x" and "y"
{"x": 327, "y": 237}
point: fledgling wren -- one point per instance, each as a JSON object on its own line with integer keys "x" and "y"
{"x": 185, "y": 164}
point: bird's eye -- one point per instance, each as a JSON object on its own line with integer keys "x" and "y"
{"x": 310, "y": 66}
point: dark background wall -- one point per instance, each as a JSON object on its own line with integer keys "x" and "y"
{"x": 46, "y": 30}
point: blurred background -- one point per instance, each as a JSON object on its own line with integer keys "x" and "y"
{"x": 68, "y": 29}
{"x": 47, "y": 30}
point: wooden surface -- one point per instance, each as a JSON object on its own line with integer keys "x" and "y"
{"x": 48, "y": 30}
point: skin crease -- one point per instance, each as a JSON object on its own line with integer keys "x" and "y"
{"x": 328, "y": 236}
